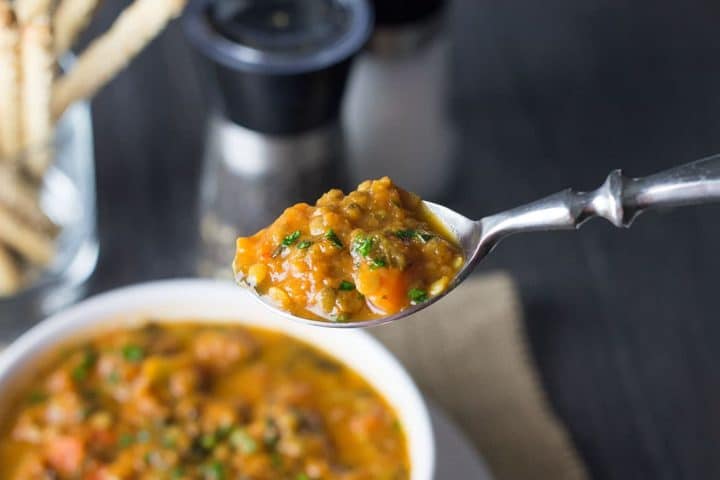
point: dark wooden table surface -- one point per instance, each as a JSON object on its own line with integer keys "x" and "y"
{"x": 623, "y": 324}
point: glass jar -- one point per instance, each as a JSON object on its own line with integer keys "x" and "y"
{"x": 277, "y": 71}
{"x": 396, "y": 109}
{"x": 249, "y": 178}
{"x": 67, "y": 197}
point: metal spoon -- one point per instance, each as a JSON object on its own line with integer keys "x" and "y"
{"x": 619, "y": 200}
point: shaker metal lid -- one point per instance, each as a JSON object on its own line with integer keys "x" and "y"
{"x": 278, "y": 37}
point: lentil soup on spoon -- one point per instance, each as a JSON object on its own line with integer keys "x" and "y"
{"x": 350, "y": 258}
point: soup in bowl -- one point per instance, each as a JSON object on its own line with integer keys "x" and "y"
{"x": 188, "y": 379}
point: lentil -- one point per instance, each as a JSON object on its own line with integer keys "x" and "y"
{"x": 223, "y": 403}
{"x": 357, "y": 257}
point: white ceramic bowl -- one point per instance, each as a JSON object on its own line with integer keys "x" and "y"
{"x": 221, "y": 302}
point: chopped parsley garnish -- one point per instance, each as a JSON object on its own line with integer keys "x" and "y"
{"x": 37, "y": 397}
{"x": 304, "y": 244}
{"x": 346, "y": 286}
{"x": 363, "y": 245}
{"x": 241, "y": 440}
{"x": 125, "y": 440}
{"x": 80, "y": 373}
{"x": 342, "y": 318}
{"x": 208, "y": 441}
{"x": 113, "y": 377}
{"x": 133, "y": 353}
{"x": 425, "y": 237}
{"x": 417, "y": 295}
{"x": 333, "y": 238}
{"x": 410, "y": 234}
{"x": 377, "y": 263}
{"x": 177, "y": 473}
{"x": 82, "y": 370}
{"x": 224, "y": 430}
{"x": 302, "y": 476}
{"x": 271, "y": 436}
{"x": 214, "y": 471}
{"x": 169, "y": 440}
{"x": 291, "y": 239}
{"x": 405, "y": 234}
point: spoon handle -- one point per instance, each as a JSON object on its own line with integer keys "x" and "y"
{"x": 689, "y": 184}
{"x": 619, "y": 200}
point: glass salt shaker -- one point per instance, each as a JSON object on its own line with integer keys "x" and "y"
{"x": 396, "y": 107}
{"x": 277, "y": 71}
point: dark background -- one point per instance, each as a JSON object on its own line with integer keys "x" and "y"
{"x": 546, "y": 94}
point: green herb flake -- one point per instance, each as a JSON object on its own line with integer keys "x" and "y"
{"x": 80, "y": 373}
{"x": 333, "y": 238}
{"x": 177, "y": 473}
{"x": 276, "y": 460}
{"x": 271, "y": 435}
{"x": 346, "y": 286}
{"x": 406, "y": 234}
{"x": 304, "y": 244}
{"x": 377, "y": 263}
{"x": 82, "y": 369}
{"x": 208, "y": 441}
{"x": 424, "y": 237}
{"x": 133, "y": 353}
{"x": 302, "y": 476}
{"x": 342, "y": 318}
{"x": 125, "y": 440}
{"x": 291, "y": 239}
{"x": 417, "y": 295}
{"x": 113, "y": 377}
{"x": 242, "y": 441}
{"x": 223, "y": 431}
{"x": 169, "y": 441}
{"x": 214, "y": 471}
{"x": 37, "y": 397}
{"x": 363, "y": 245}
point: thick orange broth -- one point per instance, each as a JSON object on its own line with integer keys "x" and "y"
{"x": 354, "y": 257}
{"x": 200, "y": 402}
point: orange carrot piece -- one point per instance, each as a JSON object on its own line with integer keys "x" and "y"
{"x": 385, "y": 288}
{"x": 66, "y": 454}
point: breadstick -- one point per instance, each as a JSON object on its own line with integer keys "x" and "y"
{"x": 37, "y": 69}
{"x": 27, "y": 10}
{"x": 10, "y": 139}
{"x": 30, "y": 244}
{"x": 71, "y": 17}
{"x": 10, "y": 278}
{"x": 19, "y": 196}
{"x": 136, "y": 26}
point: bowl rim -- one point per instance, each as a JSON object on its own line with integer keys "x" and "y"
{"x": 132, "y": 305}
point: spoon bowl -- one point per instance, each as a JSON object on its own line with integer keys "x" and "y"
{"x": 619, "y": 200}
{"x": 467, "y": 233}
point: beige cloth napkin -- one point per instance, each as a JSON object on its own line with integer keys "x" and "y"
{"x": 469, "y": 354}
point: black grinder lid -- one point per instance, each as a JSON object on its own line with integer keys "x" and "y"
{"x": 281, "y": 65}
{"x": 402, "y": 12}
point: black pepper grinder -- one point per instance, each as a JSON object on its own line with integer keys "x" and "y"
{"x": 277, "y": 70}
{"x": 396, "y": 116}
